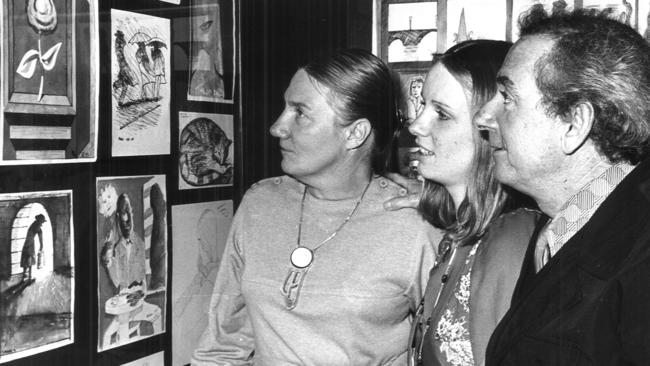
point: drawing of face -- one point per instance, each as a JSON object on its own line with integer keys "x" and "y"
{"x": 124, "y": 216}
{"x": 416, "y": 88}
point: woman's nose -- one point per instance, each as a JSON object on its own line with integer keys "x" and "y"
{"x": 417, "y": 126}
{"x": 280, "y": 128}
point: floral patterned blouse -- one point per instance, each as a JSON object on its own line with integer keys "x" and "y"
{"x": 451, "y": 339}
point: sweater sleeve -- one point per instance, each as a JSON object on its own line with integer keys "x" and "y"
{"x": 228, "y": 339}
{"x": 422, "y": 263}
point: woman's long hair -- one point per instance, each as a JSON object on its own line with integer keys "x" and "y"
{"x": 474, "y": 64}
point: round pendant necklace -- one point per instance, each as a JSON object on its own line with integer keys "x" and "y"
{"x": 302, "y": 257}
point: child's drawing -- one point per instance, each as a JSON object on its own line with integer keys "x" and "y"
{"x": 132, "y": 258}
{"x": 205, "y": 150}
{"x": 199, "y": 232}
{"x": 141, "y": 89}
{"x": 36, "y": 273}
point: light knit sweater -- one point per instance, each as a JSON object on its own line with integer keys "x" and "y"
{"x": 357, "y": 299}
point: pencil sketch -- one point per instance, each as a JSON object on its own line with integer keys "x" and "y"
{"x": 140, "y": 85}
{"x": 199, "y": 233}
{"x": 205, "y": 150}
{"x": 131, "y": 242}
{"x": 36, "y": 273}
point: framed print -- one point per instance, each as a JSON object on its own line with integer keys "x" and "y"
{"x": 39, "y": 72}
{"x": 132, "y": 258}
{"x": 199, "y": 233}
{"x": 205, "y": 150}
{"x": 51, "y": 51}
{"x": 140, "y": 74}
{"x": 213, "y": 47}
{"x": 36, "y": 273}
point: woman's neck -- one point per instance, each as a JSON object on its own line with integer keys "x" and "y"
{"x": 339, "y": 188}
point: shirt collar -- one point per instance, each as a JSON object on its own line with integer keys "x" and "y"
{"x": 575, "y": 213}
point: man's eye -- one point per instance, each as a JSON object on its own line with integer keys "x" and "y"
{"x": 299, "y": 113}
{"x": 506, "y": 97}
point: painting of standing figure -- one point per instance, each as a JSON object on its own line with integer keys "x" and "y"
{"x": 36, "y": 273}
{"x": 140, "y": 84}
{"x": 205, "y": 150}
{"x": 132, "y": 260}
{"x": 199, "y": 237}
{"x": 212, "y": 51}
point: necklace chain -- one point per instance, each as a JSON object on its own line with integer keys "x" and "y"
{"x": 345, "y": 221}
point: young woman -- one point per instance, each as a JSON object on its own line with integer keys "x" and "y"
{"x": 480, "y": 256}
{"x": 315, "y": 272}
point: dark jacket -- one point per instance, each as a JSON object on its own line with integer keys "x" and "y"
{"x": 590, "y": 304}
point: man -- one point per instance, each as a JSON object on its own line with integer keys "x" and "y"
{"x": 125, "y": 259}
{"x": 125, "y": 264}
{"x": 569, "y": 127}
{"x": 27, "y": 259}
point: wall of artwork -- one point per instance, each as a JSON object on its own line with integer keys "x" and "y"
{"x": 129, "y": 130}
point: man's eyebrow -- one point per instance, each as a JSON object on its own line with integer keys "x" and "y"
{"x": 505, "y": 81}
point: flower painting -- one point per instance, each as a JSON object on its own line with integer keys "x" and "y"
{"x": 41, "y": 15}
{"x": 50, "y": 50}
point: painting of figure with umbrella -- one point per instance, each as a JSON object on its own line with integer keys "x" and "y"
{"x": 140, "y": 84}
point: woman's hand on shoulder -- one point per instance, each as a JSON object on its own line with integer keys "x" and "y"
{"x": 409, "y": 195}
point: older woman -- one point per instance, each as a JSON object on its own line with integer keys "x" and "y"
{"x": 480, "y": 257}
{"x": 315, "y": 272}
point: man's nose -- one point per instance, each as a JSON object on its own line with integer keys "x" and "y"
{"x": 485, "y": 118}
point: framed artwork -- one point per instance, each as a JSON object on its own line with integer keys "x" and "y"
{"x": 484, "y": 19}
{"x": 199, "y": 233}
{"x": 205, "y": 150}
{"x": 51, "y": 49}
{"x": 141, "y": 80}
{"x": 40, "y": 67}
{"x": 132, "y": 258}
{"x": 155, "y": 359}
{"x": 213, "y": 53}
{"x": 36, "y": 273}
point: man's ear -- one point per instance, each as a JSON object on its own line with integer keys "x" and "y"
{"x": 578, "y": 127}
{"x": 357, "y": 133}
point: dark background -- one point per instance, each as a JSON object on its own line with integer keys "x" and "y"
{"x": 277, "y": 36}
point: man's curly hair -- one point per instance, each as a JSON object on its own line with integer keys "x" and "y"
{"x": 598, "y": 60}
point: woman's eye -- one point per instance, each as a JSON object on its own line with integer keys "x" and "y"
{"x": 442, "y": 115}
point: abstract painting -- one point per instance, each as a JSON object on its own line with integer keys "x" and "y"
{"x": 199, "y": 232}
{"x": 51, "y": 50}
{"x": 205, "y": 150}
{"x": 140, "y": 84}
{"x": 132, "y": 258}
{"x": 212, "y": 51}
{"x": 36, "y": 273}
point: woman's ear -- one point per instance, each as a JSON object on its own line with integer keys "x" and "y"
{"x": 357, "y": 133}
{"x": 579, "y": 125}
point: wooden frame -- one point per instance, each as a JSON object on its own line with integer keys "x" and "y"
{"x": 22, "y": 93}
